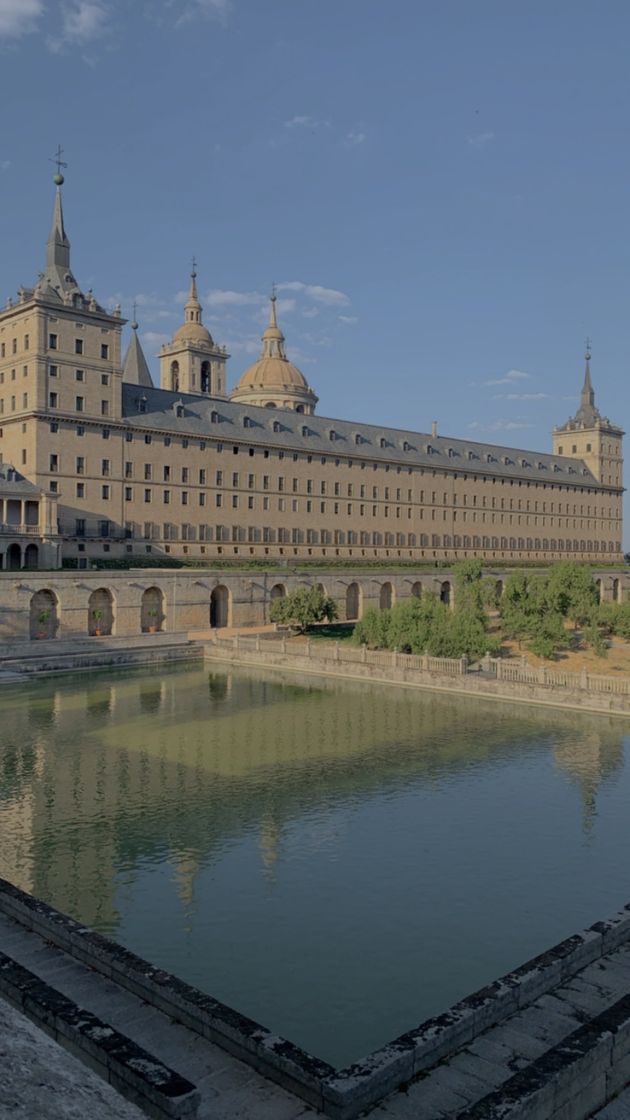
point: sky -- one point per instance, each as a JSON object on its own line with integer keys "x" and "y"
{"x": 439, "y": 191}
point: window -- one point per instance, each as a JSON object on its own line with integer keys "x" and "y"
{"x": 52, "y": 341}
{"x": 167, "y": 441}
{"x": 54, "y": 463}
{"x": 184, "y": 443}
{"x": 218, "y": 501}
{"x": 105, "y": 464}
{"x": 80, "y": 430}
{"x": 24, "y": 400}
{"x": 104, "y": 379}
{"x": 104, "y": 408}
{"x": 52, "y": 371}
{"x": 78, "y": 404}
{"x": 184, "y": 474}
{"x": 103, "y": 528}
{"x": 54, "y": 426}
{"x": 104, "y": 351}
{"x": 184, "y": 497}
{"x": 148, "y": 437}
{"x": 219, "y": 479}
{"x": 79, "y": 527}
{"x": 53, "y": 399}
{"x": 80, "y": 464}
{"x": 105, "y": 492}
{"x": 128, "y": 469}
{"x": 202, "y": 499}
{"x": 147, "y": 495}
{"x": 26, "y": 342}
{"x": 147, "y": 472}
{"x": 128, "y": 493}
{"x": 234, "y": 501}
{"x": 167, "y": 473}
{"x": 202, "y": 477}
{"x": 78, "y": 345}
{"x": 129, "y": 437}
{"x": 79, "y": 375}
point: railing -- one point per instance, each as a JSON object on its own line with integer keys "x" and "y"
{"x": 20, "y": 530}
{"x": 503, "y": 670}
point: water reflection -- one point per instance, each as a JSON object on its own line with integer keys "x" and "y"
{"x": 201, "y": 816}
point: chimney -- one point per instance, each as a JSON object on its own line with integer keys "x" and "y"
{"x": 434, "y": 430}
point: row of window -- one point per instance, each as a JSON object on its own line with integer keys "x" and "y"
{"x": 79, "y": 374}
{"x": 13, "y": 403}
{"x": 79, "y": 346}
{"x": 169, "y": 531}
{"x": 13, "y": 374}
{"x": 14, "y": 346}
{"x": 79, "y": 406}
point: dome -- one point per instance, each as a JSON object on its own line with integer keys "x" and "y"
{"x": 273, "y": 381}
{"x": 193, "y": 332}
{"x": 272, "y": 373}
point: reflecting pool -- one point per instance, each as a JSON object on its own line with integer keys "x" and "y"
{"x": 335, "y": 859}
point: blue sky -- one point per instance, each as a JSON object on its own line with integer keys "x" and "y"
{"x": 440, "y": 191}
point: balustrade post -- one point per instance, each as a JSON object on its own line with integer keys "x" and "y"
{"x": 308, "y": 647}
{"x": 336, "y": 651}
{"x": 425, "y": 661}
{"x": 542, "y": 675}
{"x": 584, "y": 680}
{"x": 485, "y": 662}
{"x": 283, "y": 645}
{"x": 364, "y": 653}
{"x": 463, "y": 665}
{"x": 394, "y": 658}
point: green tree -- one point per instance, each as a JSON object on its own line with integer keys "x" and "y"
{"x": 373, "y": 629}
{"x": 303, "y": 607}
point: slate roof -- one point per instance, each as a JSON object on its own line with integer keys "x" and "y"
{"x": 135, "y": 368}
{"x": 14, "y": 483}
{"x": 186, "y": 414}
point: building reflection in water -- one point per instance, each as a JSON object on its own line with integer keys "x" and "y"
{"x": 99, "y": 780}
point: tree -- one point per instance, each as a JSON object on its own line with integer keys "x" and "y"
{"x": 303, "y": 607}
{"x": 572, "y": 591}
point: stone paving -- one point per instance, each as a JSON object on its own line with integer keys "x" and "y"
{"x": 41, "y": 1081}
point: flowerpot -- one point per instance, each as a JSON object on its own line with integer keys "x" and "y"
{"x": 97, "y": 632}
{"x": 42, "y": 637}
{"x": 152, "y": 629}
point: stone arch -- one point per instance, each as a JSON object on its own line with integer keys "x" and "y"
{"x": 278, "y": 591}
{"x": 416, "y": 589}
{"x": 446, "y": 594}
{"x": 205, "y": 377}
{"x": 152, "y": 610}
{"x": 386, "y": 596}
{"x": 31, "y": 557}
{"x": 220, "y": 607}
{"x": 101, "y": 612}
{"x": 600, "y": 589}
{"x": 44, "y": 615}
{"x": 174, "y": 377}
{"x": 498, "y": 589}
{"x": 616, "y": 591}
{"x": 14, "y": 558}
{"x": 353, "y": 602}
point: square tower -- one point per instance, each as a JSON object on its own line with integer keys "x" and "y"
{"x": 191, "y": 362}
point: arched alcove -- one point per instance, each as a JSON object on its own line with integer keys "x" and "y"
{"x": 100, "y": 613}
{"x": 353, "y": 602}
{"x": 14, "y": 558}
{"x": 416, "y": 589}
{"x": 31, "y": 557}
{"x": 445, "y": 592}
{"x": 386, "y": 596}
{"x": 152, "y": 611}
{"x": 43, "y": 615}
{"x": 278, "y": 591}
{"x": 175, "y": 377}
{"x": 220, "y": 607}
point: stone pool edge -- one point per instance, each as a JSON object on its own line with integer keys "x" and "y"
{"x": 340, "y": 1094}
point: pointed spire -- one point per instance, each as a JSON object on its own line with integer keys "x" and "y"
{"x": 135, "y": 368}
{"x": 273, "y": 338}
{"x": 57, "y": 272}
{"x": 587, "y": 414}
{"x": 192, "y": 307}
{"x": 588, "y": 396}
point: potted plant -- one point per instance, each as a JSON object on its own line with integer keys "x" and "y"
{"x": 97, "y": 616}
{"x": 42, "y": 619}
{"x": 153, "y": 616}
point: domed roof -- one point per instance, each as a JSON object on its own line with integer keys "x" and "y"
{"x": 273, "y": 370}
{"x": 193, "y": 332}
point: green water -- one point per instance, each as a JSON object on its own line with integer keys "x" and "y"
{"x": 336, "y": 860}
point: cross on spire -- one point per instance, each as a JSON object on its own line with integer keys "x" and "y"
{"x": 58, "y": 178}
{"x": 588, "y": 348}
{"x": 193, "y": 271}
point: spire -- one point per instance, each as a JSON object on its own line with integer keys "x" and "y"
{"x": 135, "y": 368}
{"x": 192, "y": 307}
{"x": 57, "y": 272}
{"x": 192, "y": 329}
{"x": 273, "y": 338}
{"x": 588, "y": 396}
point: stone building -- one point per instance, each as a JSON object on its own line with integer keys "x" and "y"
{"x": 189, "y": 469}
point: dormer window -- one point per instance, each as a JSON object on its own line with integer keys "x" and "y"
{"x": 332, "y": 434}
{"x": 382, "y": 442}
{"x": 214, "y": 417}
{"x": 247, "y": 422}
{"x": 142, "y": 404}
{"x": 357, "y": 439}
{"x": 276, "y": 426}
{"x": 305, "y": 431}
{"x": 406, "y": 445}
{"x": 429, "y": 449}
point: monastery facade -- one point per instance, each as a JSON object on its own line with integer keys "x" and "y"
{"x": 98, "y": 462}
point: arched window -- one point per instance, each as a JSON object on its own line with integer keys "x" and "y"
{"x": 205, "y": 377}
{"x": 175, "y": 377}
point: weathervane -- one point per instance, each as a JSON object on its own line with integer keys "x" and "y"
{"x": 58, "y": 178}
{"x": 588, "y": 348}
{"x": 194, "y": 266}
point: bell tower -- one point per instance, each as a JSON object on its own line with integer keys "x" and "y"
{"x": 192, "y": 362}
{"x": 592, "y": 437}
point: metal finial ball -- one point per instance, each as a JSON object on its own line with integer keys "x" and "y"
{"x": 134, "y": 326}
{"x": 58, "y": 179}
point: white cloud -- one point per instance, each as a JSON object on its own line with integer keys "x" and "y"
{"x": 204, "y": 9}
{"x": 328, "y": 296}
{"x": 220, "y": 297}
{"x": 480, "y": 139}
{"x": 499, "y": 426}
{"x": 311, "y": 123}
{"x": 153, "y": 339}
{"x": 520, "y": 397}
{"x": 311, "y": 312}
{"x": 19, "y": 17}
{"x": 349, "y": 319}
{"x": 509, "y": 378}
{"x": 353, "y": 139}
{"x": 82, "y": 21}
